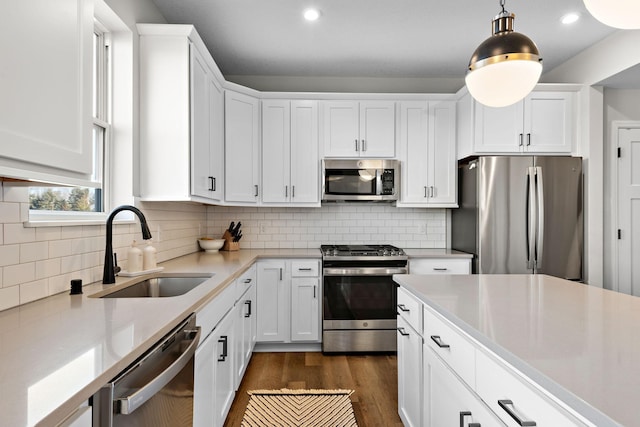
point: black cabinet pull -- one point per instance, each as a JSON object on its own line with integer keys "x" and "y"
{"x": 212, "y": 184}
{"x": 248, "y": 304}
{"x": 256, "y": 188}
{"x": 467, "y": 414}
{"x": 507, "y": 405}
{"x": 520, "y": 144}
{"x": 403, "y": 308}
{"x": 304, "y": 269}
{"x": 403, "y": 333}
{"x": 436, "y": 339}
{"x": 247, "y": 280}
{"x": 224, "y": 340}
{"x": 528, "y": 139}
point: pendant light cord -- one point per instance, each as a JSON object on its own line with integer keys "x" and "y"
{"x": 502, "y": 5}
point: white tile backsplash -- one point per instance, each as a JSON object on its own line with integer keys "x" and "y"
{"x": 337, "y": 223}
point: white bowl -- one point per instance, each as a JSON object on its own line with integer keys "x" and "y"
{"x": 211, "y": 245}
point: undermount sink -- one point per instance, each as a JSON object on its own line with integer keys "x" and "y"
{"x": 159, "y": 287}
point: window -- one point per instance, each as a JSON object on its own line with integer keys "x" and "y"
{"x": 69, "y": 202}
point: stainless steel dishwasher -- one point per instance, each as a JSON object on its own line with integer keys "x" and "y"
{"x": 157, "y": 389}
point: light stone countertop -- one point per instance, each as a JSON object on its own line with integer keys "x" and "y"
{"x": 436, "y": 253}
{"x": 56, "y": 352}
{"x": 580, "y": 343}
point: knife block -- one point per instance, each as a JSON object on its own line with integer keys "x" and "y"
{"x": 229, "y": 244}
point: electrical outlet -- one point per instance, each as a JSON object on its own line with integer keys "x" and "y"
{"x": 263, "y": 228}
{"x": 423, "y": 228}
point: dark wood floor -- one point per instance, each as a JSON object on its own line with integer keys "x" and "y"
{"x": 373, "y": 377}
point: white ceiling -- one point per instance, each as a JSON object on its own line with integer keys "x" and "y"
{"x": 372, "y": 38}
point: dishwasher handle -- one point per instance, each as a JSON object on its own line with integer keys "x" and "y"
{"x": 126, "y": 405}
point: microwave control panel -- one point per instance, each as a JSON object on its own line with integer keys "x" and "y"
{"x": 387, "y": 179}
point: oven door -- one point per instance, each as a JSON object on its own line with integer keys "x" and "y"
{"x": 359, "y": 298}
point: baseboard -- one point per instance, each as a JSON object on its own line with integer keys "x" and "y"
{"x": 274, "y": 347}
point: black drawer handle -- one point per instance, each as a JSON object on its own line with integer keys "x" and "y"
{"x": 248, "y": 304}
{"x": 439, "y": 269}
{"x": 507, "y": 405}
{"x": 403, "y": 308}
{"x": 304, "y": 269}
{"x": 224, "y": 340}
{"x": 436, "y": 339}
{"x": 247, "y": 281}
{"x": 467, "y": 414}
{"x": 403, "y": 333}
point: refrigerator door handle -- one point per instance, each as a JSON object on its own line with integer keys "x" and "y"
{"x": 540, "y": 231}
{"x": 531, "y": 220}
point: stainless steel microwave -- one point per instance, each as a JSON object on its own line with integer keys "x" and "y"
{"x": 374, "y": 180}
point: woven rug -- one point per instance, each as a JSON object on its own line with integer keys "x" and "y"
{"x": 285, "y": 407}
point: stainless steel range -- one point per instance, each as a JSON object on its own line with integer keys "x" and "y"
{"x": 359, "y": 297}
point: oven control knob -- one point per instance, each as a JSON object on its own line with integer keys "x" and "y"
{"x": 386, "y": 252}
{"x": 365, "y": 324}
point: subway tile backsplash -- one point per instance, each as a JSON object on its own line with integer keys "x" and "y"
{"x": 333, "y": 223}
{"x": 36, "y": 262}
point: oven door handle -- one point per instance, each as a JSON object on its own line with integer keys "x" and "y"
{"x": 364, "y": 271}
{"x": 126, "y": 405}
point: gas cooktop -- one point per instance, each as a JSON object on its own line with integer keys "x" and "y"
{"x": 339, "y": 251}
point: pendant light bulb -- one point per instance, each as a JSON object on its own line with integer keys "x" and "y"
{"x": 623, "y": 14}
{"x": 505, "y": 67}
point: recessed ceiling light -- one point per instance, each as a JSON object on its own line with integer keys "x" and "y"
{"x": 570, "y": 18}
{"x": 311, "y": 14}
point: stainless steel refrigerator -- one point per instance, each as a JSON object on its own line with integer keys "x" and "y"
{"x": 521, "y": 214}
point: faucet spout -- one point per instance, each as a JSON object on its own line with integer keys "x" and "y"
{"x": 108, "y": 275}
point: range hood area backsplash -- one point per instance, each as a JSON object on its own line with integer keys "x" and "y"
{"x": 378, "y": 223}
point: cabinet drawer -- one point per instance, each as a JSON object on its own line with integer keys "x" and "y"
{"x": 497, "y": 383}
{"x": 209, "y": 315}
{"x": 450, "y": 345}
{"x": 244, "y": 281}
{"x": 440, "y": 266}
{"x": 305, "y": 268}
{"x": 410, "y": 309}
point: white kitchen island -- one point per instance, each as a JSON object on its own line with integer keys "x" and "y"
{"x": 573, "y": 347}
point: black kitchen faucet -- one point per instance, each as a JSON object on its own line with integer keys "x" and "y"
{"x": 109, "y": 274}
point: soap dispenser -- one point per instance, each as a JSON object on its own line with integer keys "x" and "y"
{"x": 134, "y": 258}
{"x": 149, "y": 259}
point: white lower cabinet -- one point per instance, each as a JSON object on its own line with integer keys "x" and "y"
{"x": 440, "y": 266}
{"x": 448, "y": 401}
{"x": 288, "y": 301}
{"x": 245, "y": 329}
{"x": 214, "y": 386}
{"x": 409, "y": 378}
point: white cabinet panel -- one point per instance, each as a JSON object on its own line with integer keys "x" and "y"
{"x": 410, "y": 400}
{"x": 440, "y": 266}
{"x": 273, "y": 301}
{"x": 290, "y": 164}
{"x": 242, "y": 148}
{"x": 359, "y": 129}
{"x": 427, "y": 150}
{"x": 45, "y": 107}
{"x": 305, "y": 305}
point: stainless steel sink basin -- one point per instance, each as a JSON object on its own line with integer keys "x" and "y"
{"x": 159, "y": 287}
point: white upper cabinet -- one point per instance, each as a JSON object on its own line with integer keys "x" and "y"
{"x": 45, "y": 106}
{"x": 242, "y": 148}
{"x": 545, "y": 122}
{"x": 290, "y": 164}
{"x": 427, "y": 152}
{"x": 181, "y": 116}
{"x": 359, "y": 129}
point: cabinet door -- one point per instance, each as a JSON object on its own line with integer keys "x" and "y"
{"x": 45, "y": 106}
{"x": 244, "y": 325}
{"x": 442, "y": 165}
{"x": 377, "y": 129}
{"x": 273, "y": 302}
{"x": 414, "y": 137}
{"x": 341, "y": 129}
{"x": 200, "y": 125}
{"x": 409, "y": 375}
{"x": 224, "y": 384}
{"x": 499, "y": 130}
{"x": 241, "y": 147}
{"x": 305, "y": 309}
{"x": 548, "y": 122}
{"x": 447, "y": 401}
{"x": 276, "y": 143}
{"x": 216, "y": 140}
{"x": 305, "y": 175}
{"x": 204, "y": 377}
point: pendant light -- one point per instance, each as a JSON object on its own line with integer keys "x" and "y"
{"x": 505, "y": 67}
{"x": 623, "y": 14}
